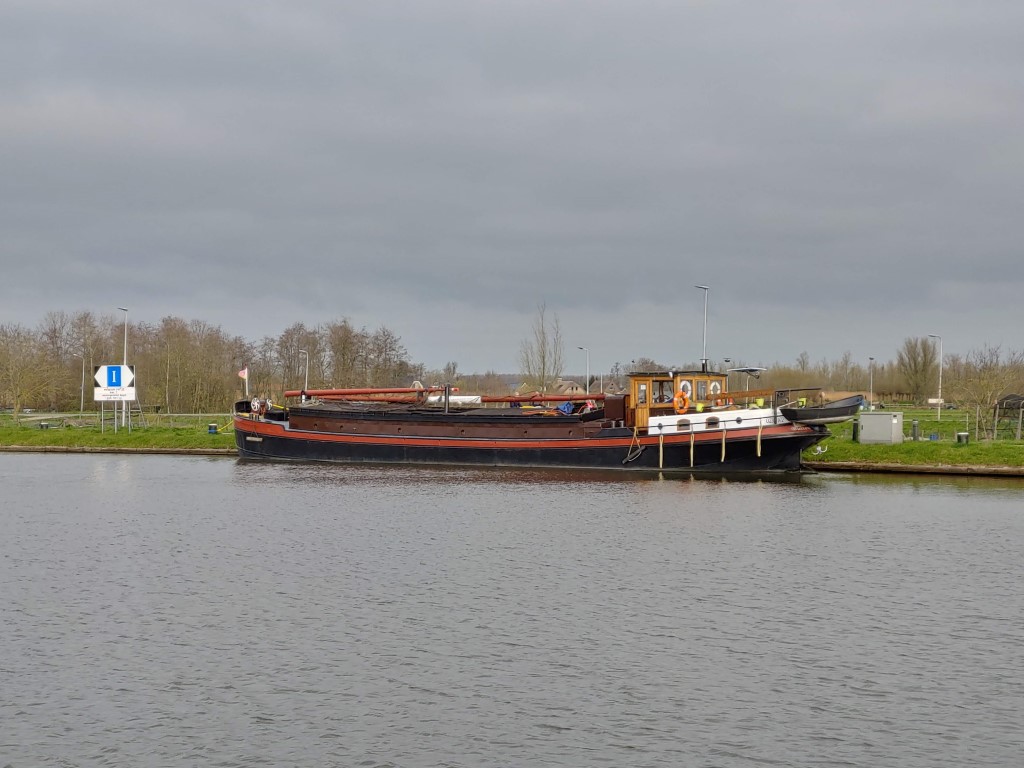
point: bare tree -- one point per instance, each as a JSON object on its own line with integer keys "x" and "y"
{"x": 541, "y": 356}
{"x": 388, "y": 361}
{"x": 56, "y": 336}
{"x": 917, "y": 361}
{"x": 489, "y": 383}
{"x": 649, "y": 364}
{"x": 840, "y": 374}
{"x": 290, "y": 345}
{"x": 344, "y": 344}
{"x": 982, "y": 378}
{"x": 25, "y": 371}
{"x": 616, "y": 377}
{"x": 265, "y": 367}
{"x": 451, "y": 372}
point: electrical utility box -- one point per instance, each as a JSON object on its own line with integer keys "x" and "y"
{"x": 880, "y": 427}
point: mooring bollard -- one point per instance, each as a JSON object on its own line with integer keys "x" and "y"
{"x": 914, "y": 435}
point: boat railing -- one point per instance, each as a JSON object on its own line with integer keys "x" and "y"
{"x": 799, "y": 396}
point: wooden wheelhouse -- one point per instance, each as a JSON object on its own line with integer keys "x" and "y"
{"x": 654, "y": 392}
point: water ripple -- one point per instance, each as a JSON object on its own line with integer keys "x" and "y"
{"x": 168, "y": 611}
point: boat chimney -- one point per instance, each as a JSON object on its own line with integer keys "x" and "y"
{"x": 704, "y": 345}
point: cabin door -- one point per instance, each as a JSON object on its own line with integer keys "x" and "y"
{"x": 642, "y": 398}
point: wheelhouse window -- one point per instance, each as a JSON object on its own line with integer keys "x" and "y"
{"x": 641, "y": 393}
{"x": 663, "y": 391}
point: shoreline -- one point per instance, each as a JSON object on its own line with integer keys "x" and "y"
{"x": 108, "y": 449}
{"x": 973, "y": 470}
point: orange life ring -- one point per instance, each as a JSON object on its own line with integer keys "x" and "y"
{"x": 681, "y": 401}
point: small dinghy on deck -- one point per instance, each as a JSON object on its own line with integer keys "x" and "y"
{"x": 827, "y": 413}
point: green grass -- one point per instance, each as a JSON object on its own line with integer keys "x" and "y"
{"x": 68, "y": 431}
{"x": 943, "y": 451}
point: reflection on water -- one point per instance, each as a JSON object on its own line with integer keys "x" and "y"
{"x": 169, "y": 611}
{"x": 301, "y": 473}
{"x": 923, "y": 483}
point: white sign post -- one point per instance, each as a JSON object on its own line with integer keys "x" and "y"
{"x": 114, "y": 383}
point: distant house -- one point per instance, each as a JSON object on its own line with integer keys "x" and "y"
{"x": 563, "y": 387}
{"x": 560, "y": 387}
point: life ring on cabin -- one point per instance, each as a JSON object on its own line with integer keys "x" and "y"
{"x": 681, "y": 401}
{"x": 254, "y": 406}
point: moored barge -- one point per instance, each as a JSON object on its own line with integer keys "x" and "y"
{"x": 667, "y": 421}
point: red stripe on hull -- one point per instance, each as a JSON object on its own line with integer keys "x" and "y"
{"x": 279, "y": 430}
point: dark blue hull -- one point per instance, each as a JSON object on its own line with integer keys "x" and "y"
{"x": 773, "y": 452}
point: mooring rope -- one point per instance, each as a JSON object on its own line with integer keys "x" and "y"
{"x": 630, "y": 456}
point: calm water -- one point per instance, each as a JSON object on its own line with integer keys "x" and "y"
{"x": 166, "y": 611}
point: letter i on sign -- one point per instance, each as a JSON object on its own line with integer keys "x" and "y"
{"x": 114, "y": 376}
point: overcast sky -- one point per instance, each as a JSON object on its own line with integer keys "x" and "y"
{"x": 842, "y": 175}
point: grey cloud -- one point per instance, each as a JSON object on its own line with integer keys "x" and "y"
{"x": 464, "y": 161}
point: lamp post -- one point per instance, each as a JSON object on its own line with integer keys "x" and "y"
{"x": 124, "y": 405}
{"x": 305, "y": 384}
{"x": 585, "y": 349}
{"x": 81, "y": 403}
{"x": 704, "y": 345}
{"x": 938, "y": 409}
{"x": 871, "y": 383}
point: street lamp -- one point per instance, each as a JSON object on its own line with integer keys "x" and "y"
{"x": 871, "y": 382}
{"x": 938, "y": 409}
{"x": 704, "y": 346}
{"x": 305, "y": 386}
{"x": 125, "y": 310}
{"x": 124, "y": 406}
{"x": 585, "y": 349}
{"x": 81, "y": 405}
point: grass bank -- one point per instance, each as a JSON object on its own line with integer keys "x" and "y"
{"x": 168, "y": 432}
{"x": 937, "y": 445}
